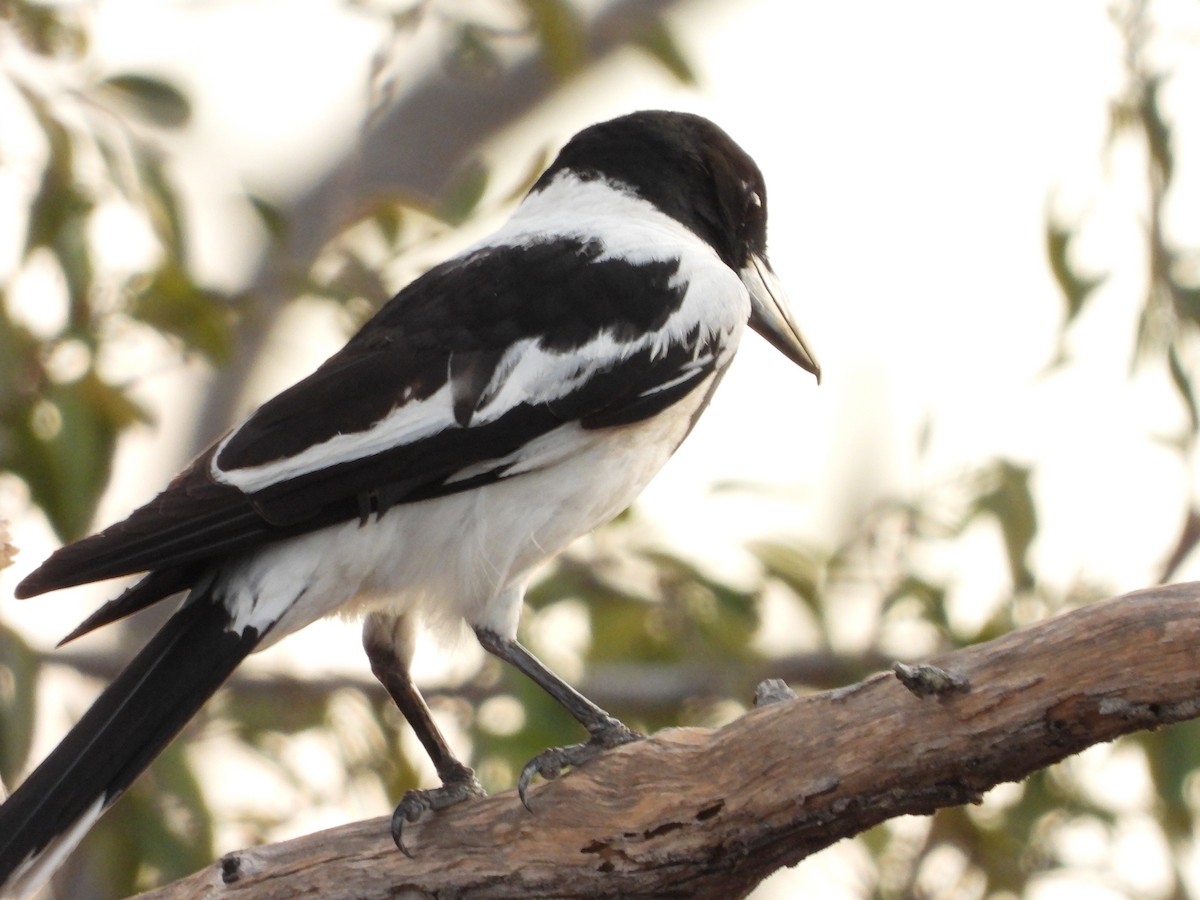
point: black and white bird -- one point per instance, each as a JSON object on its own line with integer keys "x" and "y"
{"x": 506, "y": 402}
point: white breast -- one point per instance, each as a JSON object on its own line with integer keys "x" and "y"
{"x": 466, "y": 556}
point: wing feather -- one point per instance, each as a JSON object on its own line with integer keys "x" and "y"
{"x": 420, "y": 403}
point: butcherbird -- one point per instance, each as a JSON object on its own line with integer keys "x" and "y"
{"x": 506, "y": 402}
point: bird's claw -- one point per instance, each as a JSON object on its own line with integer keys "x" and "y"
{"x": 414, "y": 804}
{"x": 551, "y": 763}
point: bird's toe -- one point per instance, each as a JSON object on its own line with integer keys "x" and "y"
{"x": 552, "y": 762}
{"x": 416, "y": 803}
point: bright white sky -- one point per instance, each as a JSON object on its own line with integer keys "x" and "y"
{"x": 910, "y": 150}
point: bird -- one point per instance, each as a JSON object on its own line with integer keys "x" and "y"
{"x": 505, "y": 402}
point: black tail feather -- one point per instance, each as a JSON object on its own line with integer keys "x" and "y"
{"x": 158, "y": 585}
{"x": 125, "y": 729}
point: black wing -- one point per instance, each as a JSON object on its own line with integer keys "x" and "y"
{"x": 337, "y": 446}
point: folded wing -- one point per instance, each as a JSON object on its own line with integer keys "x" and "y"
{"x": 438, "y": 393}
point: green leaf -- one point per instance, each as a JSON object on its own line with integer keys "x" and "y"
{"x": 389, "y": 219}
{"x": 408, "y": 19}
{"x": 1189, "y": 537}
{"x": 930, "y": 596}
{"x": 625, "y": 629}
{"x": 1122, "y": 117}
{"x": 1075, "y": 288}
{"x": 798, "y": 568}
{"x": 472, "y": 56}
{"x": 181, "y": 841}
{"x": 1183, "y": 384}
{"x": 57, "y": 198}
{"x": 171, "y": 302}
{"x": 153, "y": 99}
{"x": 718, "y": 617}
{"x": 572, "y": 578}
{"x": 162, "y": 206}
{"x": 561, "y": 35}
{"x": 1158, "y": 133}
{"x": 259, "y": 715}
{"x": 19, "y": 670}
{"x": 1173, "y": 757}
{"x": 1187, "y": 301}
{"x": 61, "y": 443}
{"x": 658, "y": 40}
{"x": 354, "y": 280}
{"x": 46, "y": 29}
{"x": 74, "y": 256}
{"x": 464, "y": 194}
{"x": 1008, "y": 497}
{"x": 271, "y": 217}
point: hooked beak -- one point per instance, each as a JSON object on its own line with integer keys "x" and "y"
{"x": 770, "y": 316}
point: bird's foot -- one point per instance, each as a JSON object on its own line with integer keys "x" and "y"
{"x": 550, "y": 763}
{"x": 460, "y": 786}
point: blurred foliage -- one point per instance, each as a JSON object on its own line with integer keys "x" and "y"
{"x": 657, "y": 638}
{"x": 66, "y": 301}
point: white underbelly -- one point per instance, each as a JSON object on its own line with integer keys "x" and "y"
{"x": 464, "y": 556}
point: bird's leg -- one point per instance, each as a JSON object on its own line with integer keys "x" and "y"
{"x": 386, "y": 640}
{"x": 605, "y": 731}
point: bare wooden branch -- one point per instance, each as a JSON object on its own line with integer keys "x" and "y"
{"x": 698, "y": 813}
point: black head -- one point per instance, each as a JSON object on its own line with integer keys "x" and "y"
{"x": 694, "y": 172}
{"x": 687, "y": 167}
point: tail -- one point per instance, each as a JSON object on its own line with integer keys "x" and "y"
{"x": 126, "y": 728}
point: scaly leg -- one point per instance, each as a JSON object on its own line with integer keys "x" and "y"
{"x": 387, "y": 642}
{"x": 605, "y": 730}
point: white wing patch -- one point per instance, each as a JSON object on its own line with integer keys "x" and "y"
{"x": 542, "y": 452}
{"x": 406, "y": 424}
{"x": 636, "y": 231}
{"x": 686, "y": 373}
{"x": 716, "y": 302}
{"x": 543, "y": 376}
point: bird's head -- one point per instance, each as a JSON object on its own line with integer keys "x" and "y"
{"x": 693, "y": 171}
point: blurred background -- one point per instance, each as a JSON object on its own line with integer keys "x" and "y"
{"x": 985, "y": 213}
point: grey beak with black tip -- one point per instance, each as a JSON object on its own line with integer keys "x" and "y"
{"x": 771, "y": 317}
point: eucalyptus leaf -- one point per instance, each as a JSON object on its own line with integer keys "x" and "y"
{"x": 1182, "y": 381}
{"x": 153, "y": 99}
{"x": 1007, "y": 496}
{"x": 797, "y": 568}
{"x": 464, "y": 194}
{"x": 270, "y": 215}
{"x": 1156, "y": 130}
{"x": 1075, "y": 288}
{"x": 658, "y": 40}
{"x": 560, "y": 34}
{"x": 63, "y": 445}
{"x": 173, "y": 303}
{"x": 20, "y": 669}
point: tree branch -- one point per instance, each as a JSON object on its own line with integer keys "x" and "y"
{"x": 698, "y": 813}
